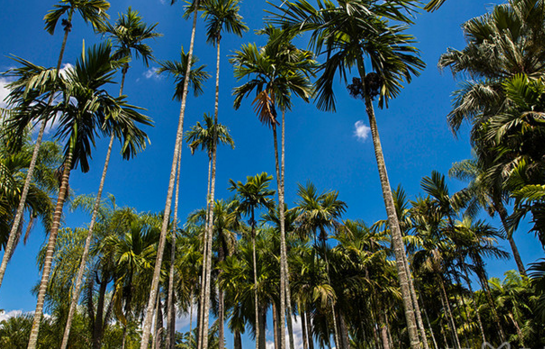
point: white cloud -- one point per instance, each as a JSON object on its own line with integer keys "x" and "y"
{"x": 362, "y": 131}
{"x": 3, "y": 92}
{"x": 10, "y": 314}
{"x": 151, "y": 73}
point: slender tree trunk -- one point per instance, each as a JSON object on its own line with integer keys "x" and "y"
{"x": 344, "y": 332}
{"x": 211, "y": 203}
{"x": 238, "y": 340}
{"x": 475, "y": 305}
{"x": 449, "y": 312}
{"x": 283, "y": 274}
{"x": 171, "y": 312}
{"x": 304, "y": 327}
{"x": 484, "y": 283}
{"x": 83, "y": 263}
{"x": 206, "y": 251}
{"x": 397, "y": 241}
{"x": 335, "y": 327}
{"x": 419, "y": 321}
{"x": 100, "y": 319}
{"x": 262, "y": 325}
{"x": 10, "y": 245}
{"x": 190, "y": 316}
{"x": 431, "y": 329}
{"x": 275, "y": 313}
{"x": 256, "y": 301}
{"x": 50, "y": 251}
{"x": 146, "y": 328}
{"x": 516, "y": 255}
{"x": 309, "y": 332}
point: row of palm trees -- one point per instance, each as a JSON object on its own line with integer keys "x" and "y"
{"x": 350, "y": 34}
{"x": 342, "y": 276}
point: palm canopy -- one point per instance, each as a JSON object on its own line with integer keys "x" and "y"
{"x": 202, "y": 135}
{"x": 86, "y": 110}
{"x": 351, "y": 30}
{"x": 128, "y": 34}
{"x": 318, "y": 211}
{"x": 222, "y": 15}
{"x": 178, "y": 69}
{"x": 508, "y": 41}
{"x": 93, "y": 11}
{"x": 253, "y": 194}
{"x": 276, "y": 71}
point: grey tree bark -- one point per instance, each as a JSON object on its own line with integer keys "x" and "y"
{"x": 146, "y": 328}
{"x": 10, "y": 245}
{"x": 397, "y": 242}
{"x": 50, "y": 251}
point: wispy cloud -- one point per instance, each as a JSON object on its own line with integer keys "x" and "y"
{"x": 362, "y": 131}
{"x": 151, "y": 73}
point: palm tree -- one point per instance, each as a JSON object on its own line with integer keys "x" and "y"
{"x": 128, "y": 34}
{"x": 346, "y": 34}
{"x": 278, "y": 70}
{"x": 85, "y": 109}
{"x": 254, "y": 194}
{"x": 220, "y": 15}
{"x": 93, "y": 11}
{"x": 197, "y": 77}
{"x": 14, "y": 160}
{"x": 205, "y": 138}
{"x": 318, "y": 214}
{"x": 181, "y": 93}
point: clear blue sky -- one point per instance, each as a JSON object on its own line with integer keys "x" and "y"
{"x": 320, "y": 147}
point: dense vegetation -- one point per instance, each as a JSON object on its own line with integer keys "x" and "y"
{"x": 253, "y": 262}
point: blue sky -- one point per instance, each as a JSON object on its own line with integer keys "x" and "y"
{"x": 321, "y": 147}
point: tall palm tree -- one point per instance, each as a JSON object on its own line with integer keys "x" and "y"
{"x": 318, "y": 214}
{"x": 128, "y": 34}
{"x": 252, "y": 195}
{"x": 85, "y": 111}
{"x": 489, "y": 193}
{"x": 204, "y": 137}
{"x": 347, "y": 33}
{"x": 182, "y": 91}
{"x": 277, "y": 71}
{"x": 220, "y": 15}
{"x": 93, "y": 11}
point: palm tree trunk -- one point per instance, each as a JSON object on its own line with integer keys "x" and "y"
{"x": 50, "y": 251}
{"x": 206, "y": 251}
{"x": 486, "y": 288}
{"x": 449, "y": 312}
{"x": 83, "y": 263}
{"x": 146, "y": 328}
{"x": 477, "y": 312}
{"x": 10, "y": 245}
{"x": 283, "y": 273}
{"x": 309, "y": 331}
{"x": 419, "y": 321}
{"x": 431, "y": 329}
{"x": 171, "y": 318}
{"x": 397, "y": 242}
{"x": 276, "y": 334}
{"x": 338, "y": 343}
{"x": 257, "y": 335}
{"x": 304, "y": 327}
{"x": 210, "y": 230}
{"x": 516, "y": 255}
